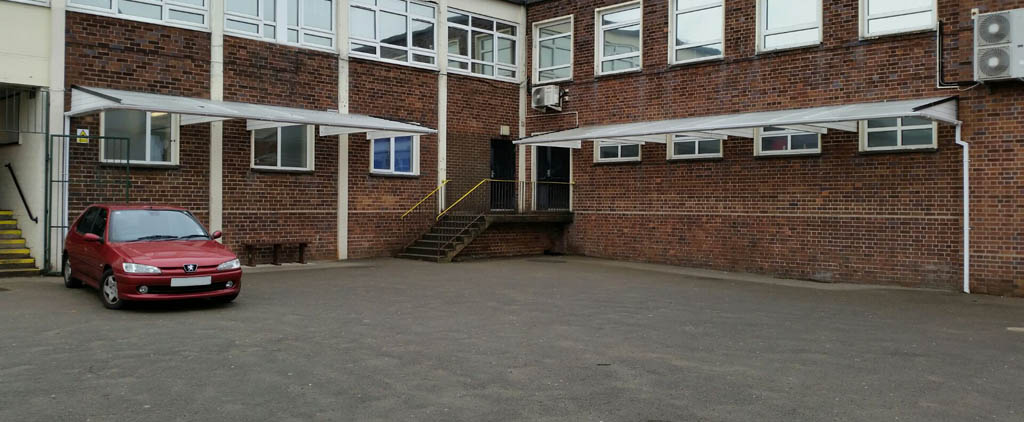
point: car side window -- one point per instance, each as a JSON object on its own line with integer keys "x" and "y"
{"x": 85, "y": 224}
{"x": 99, "y": 226}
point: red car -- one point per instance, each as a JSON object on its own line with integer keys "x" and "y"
{"x": 146, "y": 253}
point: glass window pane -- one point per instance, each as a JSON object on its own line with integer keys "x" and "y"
{"x": 774, "y": 143}
{"x": 880, "y": 123}
{"x": 393, "y": 4}
{"x": 882, "y": 139}
{"x": 555, "y": 52}
{"x": 293, "y": 35}
{"x": 160, "y": 137}
{"x": 264, "y": 148}
{"x": 421, "y": 10}
{"x": 269, "y": 31}
{"x": 609, "y": 151}
{"x": 423, "y": 35}
{"x": 804, "y": 142}
{"x": 245, "y": 7}
{"x": 808, "y": 36}
{"x": 393, "y": 54}
{"x": 293, "y": 13}
{"x": 293, "y": 147}
{"x": 684, "y": 148}
{"x": 506, "y": 51}
{"x": 199, "y": 3}
{"x": 382, "y": 154}
{"x": 699, "y": 27}
{"x": 556, "y": 29}
{"x": 393, "y": 29}
{"x": 184, "y": 16}
{"x": 103, "y": 4}
{"x": 622, "y": 16}
{"x": 269, "y": 10}
{"x": 317, "y": 14}
{"x": 695, "y": 53}
{"x": 317, "y": 40}
{"x": 548, "y": 75}
{"x": 483, "y": 69}
{"x": 629, "y": 151}
{"x": 506, "y": 29}
{"x": 458, "y": 42}
{"x": 458, "y": 18}
{"x": 144, "y": 10}
{"x": 505, "y": 73}
{"x": 483, "y": 47}
{"x": 458, "y": 65}
{"x": 898, "y": 23}
{"x": 403, "y": 154}
{"x": 242, "y": 26}
{"x": 419, "y": 58}
{"x": 362, "y": 48}
{"x": 362, "y": 23}
{"x": 710, "y": 147}
{"x": 916, "y": 121}
{"x": 620, "y": 64}
{"x": 125, "y": 124}
{"x": 689, "y": 4}
{"x": 369, "y": 2}
{"x": 876, "y": 7}
{"x": 786, "y": 13}
{"x": 482, "y": 23}
{"x": 918, "y": 137}
{"x": 622, "y": 40}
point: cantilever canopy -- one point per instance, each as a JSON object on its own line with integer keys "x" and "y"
{"x": 817, "y": 120}
{"x": 85, "y": 100}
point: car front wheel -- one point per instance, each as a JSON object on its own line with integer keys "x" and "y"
{"x": 69, "y": 278}
{"x": 108, "y": 292}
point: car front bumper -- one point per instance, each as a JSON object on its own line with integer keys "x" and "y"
{"x": 160, "y": 286}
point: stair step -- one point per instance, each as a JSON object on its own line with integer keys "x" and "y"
{"x": 433, "y": 245}
{"x": 6, "y": 212}
{"x": 6, "y": 223}
{"x": 14, "y": 263}
{"x": 19, "y": 272}
{"x": 15, "y": 253}
{"x": 10, "y": 234}
{"x": 419, "y": 257}
{"x": 12, "y": 243}
{"x": 415, "y": 250}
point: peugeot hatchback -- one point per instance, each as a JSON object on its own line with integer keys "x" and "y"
{"x": 148, "y": 253}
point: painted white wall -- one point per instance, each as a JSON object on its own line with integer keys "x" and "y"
{"x": 24, "y": 44}
{"x": 494, "y": 8}
{"x": 28, "y": 159}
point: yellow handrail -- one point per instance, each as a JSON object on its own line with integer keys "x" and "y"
{"x": 425, "y": 198}
{"x": 460, "y": 199}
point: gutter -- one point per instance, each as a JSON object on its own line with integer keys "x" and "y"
{"x": 967, "y": 208}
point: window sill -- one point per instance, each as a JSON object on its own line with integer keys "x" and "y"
{"x": 697, "y": 62}
{"x": 281, "y": 170}
{"x": 685, "y": 159}
{"x": 897, "y": 151}
{"x": 789, "y": 155}
{"x": 554, "y": 82}
{"x": 423, "y": 66}
{"x": 622, "y": 73}
{"x": 788, "y": 49}
{"x": 394, "y": 175}
{"x": 617, "y": 162}
{"x": 918, "y": 31}
{"x": 251, "y": 36}
{"x": 155, "y": 166}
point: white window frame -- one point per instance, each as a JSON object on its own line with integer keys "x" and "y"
{"x": 165, "y": 5}
{"x": 762, "y": 32}
{"x": 620, "y": 158}
{"x": 599, "y": 29}
{"x": 468, "y": 59}
{"x": 281, "y": 25}
{"x": 310, "y": 151}
{"x": 536, "y": 48}
{"x": 865, "y": 19}
{"x": 673, "y": 20}
{"x": 409, "y": 19}
{"x": 33, "y": 2}
{"x": 899, "y": 128}
{"x": 175, "y": 144}
{"x": 671, "y": 150}
{"x": 391, "y": 171}
{"x": 788, "y": 133}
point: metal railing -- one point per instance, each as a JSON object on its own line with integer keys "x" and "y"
{"x": 21, "y": 193}
{"x": 510, "y": 196}
{"x": 425, "y": 198}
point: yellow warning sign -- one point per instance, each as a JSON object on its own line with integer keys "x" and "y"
{"x": 82, "y": 132}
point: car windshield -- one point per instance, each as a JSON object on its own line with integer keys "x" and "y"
{"x": 154, "y": 225}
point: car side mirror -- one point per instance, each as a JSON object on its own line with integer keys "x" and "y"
{"x": 92, "y": 237}
{"x": 216, "y": 235}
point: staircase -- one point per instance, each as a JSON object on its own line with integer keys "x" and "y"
{"x": 15, "y": 259}
{"x": 446, "y": 238}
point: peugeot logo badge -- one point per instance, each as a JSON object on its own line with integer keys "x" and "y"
{"x": 191, "y": 268}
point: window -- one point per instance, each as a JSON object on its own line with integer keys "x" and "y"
{"x": 898, "y": 133}
{"x": 481, "y": 45}
{"x": 881, "y": 17}
{"x": 698, "y": 27}
{"x": 10, "y": 116}
{"x": 303, "y": 22}
{"x": 552, "y": 48}
{"x": 684, "y": 147}
{"x": 396, "y": 155}
{"x": 781, "y": 141}
{"x": 619, "y": 43}
{"x": 151, "y": 137}
{"x": 393, "y": 30}
{"x": 35, "y": 2}
{"x": 614, "y": 151}
{"x": 188, "y": 13}
{"x": 788, "y": 24}
{"x": 133, "y": 225}
{"x": 283, "y": 148}
{"x": 85, "y": 223}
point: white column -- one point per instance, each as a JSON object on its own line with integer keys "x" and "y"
{"x": 341, "y": 24}
{"x": 216, "y": 211}
{"x": 442, "y": 100}
{"x": 524, "y": 99}
{"x": 58, "y": 216}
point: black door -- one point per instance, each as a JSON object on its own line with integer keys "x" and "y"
{"x": 553, "y": 178}
{"x": 503, "y": 175}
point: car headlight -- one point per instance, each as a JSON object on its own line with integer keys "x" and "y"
{"x": 233, "y": 264}
{"x": 133, "y": 268}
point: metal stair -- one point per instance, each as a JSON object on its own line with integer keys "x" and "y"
{"x": 446, "y": 238}
{"x": 15, "y": 258}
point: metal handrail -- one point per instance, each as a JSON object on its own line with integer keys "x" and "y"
{"x": 22, "y": 194}
{"x": 469, "y": 193}
{"x": 451, "y": 240}
{"x": 425, "y": 198}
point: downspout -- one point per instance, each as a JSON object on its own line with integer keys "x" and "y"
{"x": 967, "y": 207}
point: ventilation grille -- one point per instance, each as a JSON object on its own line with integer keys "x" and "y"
{"x": 994, "y": 62}
{"x": 994, "y": 29}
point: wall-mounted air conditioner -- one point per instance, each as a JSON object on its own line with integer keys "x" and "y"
{"x": 547, "y": 97}
{"x": 999, "y": 45}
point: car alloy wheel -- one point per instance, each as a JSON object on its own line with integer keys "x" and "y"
{"x": 108, "y": 290}
{"x": 69, "y": 278}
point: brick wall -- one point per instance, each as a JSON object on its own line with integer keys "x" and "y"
{"x": 115, "y": 53}
{"x": 840, "y": 216}
{"x": 515, "y": 239}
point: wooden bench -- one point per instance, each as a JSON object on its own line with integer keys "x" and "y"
{"x": 250, "y": 250}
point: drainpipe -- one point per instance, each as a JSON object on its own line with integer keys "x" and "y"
{"x": 967, "y": 208}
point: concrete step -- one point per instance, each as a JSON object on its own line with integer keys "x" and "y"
{"x": 9, "y": 253}
{"x": 19, "y": 272}
{"x": 12, "y": 243}
{"x": 433, "y": 244}
{"x": 8, "y": 223}
{"x": 10, "y": 234}
{"x": 419, "y": 257}
{"x": 443, "y": 237}
{"x": 12, "y": 263}
{"x": 426, "y": 251}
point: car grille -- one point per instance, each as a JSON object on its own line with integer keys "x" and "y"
{"x": 186, "y": 289}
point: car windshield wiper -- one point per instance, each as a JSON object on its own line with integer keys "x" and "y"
{"x": 190, "y": 236}
{"x": 154, "y": 237}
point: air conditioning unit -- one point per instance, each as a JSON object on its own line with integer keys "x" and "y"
{"x": 999, "y": 45}
{"x": 547, "y": 97}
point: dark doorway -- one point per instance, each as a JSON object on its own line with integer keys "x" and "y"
{"x": 503, "y": 175}
{"x": 553, "y": 177}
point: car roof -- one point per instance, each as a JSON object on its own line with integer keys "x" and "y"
{"x": 115, "y": 207}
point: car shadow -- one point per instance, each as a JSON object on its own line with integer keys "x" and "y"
{"x": 170, "y": 306}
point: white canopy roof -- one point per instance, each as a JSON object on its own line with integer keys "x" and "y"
{"x": 85, "y": 100}
{"x": 818, "y": 120}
